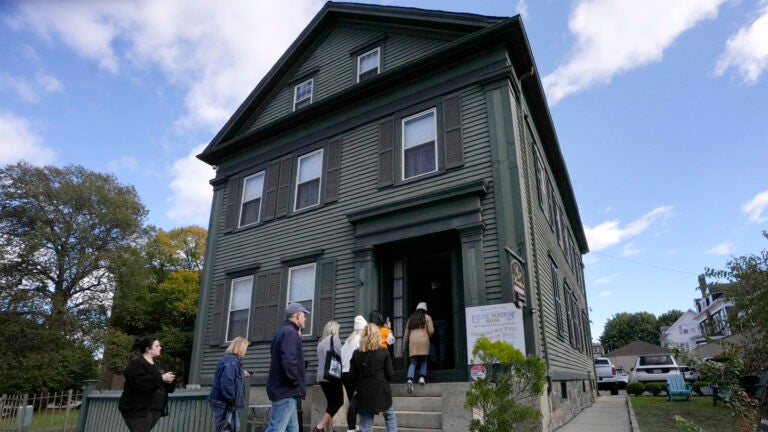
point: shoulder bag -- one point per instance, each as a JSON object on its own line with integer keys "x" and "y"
{"x": 332, "y": 368}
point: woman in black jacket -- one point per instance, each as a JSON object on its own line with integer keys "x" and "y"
{"x": 145, "y": 395}
{"x": 371, "y": 370}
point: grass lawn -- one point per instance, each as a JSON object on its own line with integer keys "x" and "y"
{"x": 655, "y": 413}
{"x": 53, "y": 420}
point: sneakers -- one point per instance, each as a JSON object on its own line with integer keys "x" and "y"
{"x": 421, "y": 381}
{"x": 409, "y": 385}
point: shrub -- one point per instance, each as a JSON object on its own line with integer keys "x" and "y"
{"x": 635, "y": 388}
{"x": 697, "y": 385}
{"x": 655, "y": 388}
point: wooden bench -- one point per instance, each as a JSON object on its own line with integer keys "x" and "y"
{"x": 676, "y": 386}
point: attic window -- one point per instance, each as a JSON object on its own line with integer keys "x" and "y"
{"x": 368, "y": 64}
{"x": 302, "y": 94}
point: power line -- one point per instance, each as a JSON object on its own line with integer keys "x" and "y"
{"x": 645, "y": 264}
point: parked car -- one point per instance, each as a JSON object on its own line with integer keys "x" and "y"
{"x": 622, "y": 377}
{"x": 606, "y": 375}
{"x": 689, "y": 373}
{"x": 654, "y": 367}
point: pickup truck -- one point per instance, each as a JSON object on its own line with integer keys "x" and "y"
{"x": 606, "y": 375}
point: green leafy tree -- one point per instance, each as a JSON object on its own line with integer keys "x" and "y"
{"x": 747, "y": 285}
{"x": 668, "y": 318}
{"x": 61, "y": 230}
{"x": 512, "y": 380}
{"x": 626, "y": 327}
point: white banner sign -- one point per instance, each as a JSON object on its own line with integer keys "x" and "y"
{"x": 495, "y": 322}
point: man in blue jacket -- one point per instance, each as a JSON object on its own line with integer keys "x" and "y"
{"x": 287, "y": 382}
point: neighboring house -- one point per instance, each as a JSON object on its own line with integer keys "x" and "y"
{"x": 387, "y": 148}
{"x": 625, "y": 356}
{"x": 597, "y": 349}
{"x": 713, "y": 309}
{"x": 683, "y": 333}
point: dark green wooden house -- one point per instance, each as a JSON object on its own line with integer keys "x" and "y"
{"x": 389, "y": 148}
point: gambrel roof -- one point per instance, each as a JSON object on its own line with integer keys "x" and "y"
{"x": 456, "y": 37}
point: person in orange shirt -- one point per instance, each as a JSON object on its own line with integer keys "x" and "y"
{"x": 387, "y": 338}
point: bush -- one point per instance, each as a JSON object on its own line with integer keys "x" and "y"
{"x": 655, "y": 388}
{"x": 635, "y": 388}
{"x": 697, "y": 385}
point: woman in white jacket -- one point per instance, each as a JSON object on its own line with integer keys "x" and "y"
{"x": 350, "y": 345}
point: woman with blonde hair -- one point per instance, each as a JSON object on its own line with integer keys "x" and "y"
{"x": 371, "y": 370}
{"x": 228, "y": 391}
{"x": 334, "y": 393}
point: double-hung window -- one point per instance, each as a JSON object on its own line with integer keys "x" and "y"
{"x": 239, "y": 307}
{"x": 302, "y": 94}
{"x": 250, "y": 209}
{"x": 301, "y": 289}
{"x": 368, "y": 64}
{"x": 308, "y": 178}
{"x": 419, "y": 144}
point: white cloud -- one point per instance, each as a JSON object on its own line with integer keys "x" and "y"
{"x": 19, "y": 142}
{"x": 192, "y": 194}
{"x": 216, "y": 54}
{"x": 605, "y": 280}
{"x": 50, "y": 84}
{"x": 611, "y": 232}
{"x": 30, "y": 91}
{"x": 124, "y": 163}
{"x": 629, "y": 250}
{"x": 747, "y": 50}
{"x": 615, "y": 36}
{"x": 605, "y": 294}
{"x": 724, "y": 248}
{"x": 757, "y": 207}
{"x": 589, "y": 259}
{"x": 522, "y": 9}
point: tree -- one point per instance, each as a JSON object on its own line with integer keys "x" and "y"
{"x": 668, "y": 318}
{"x": 747, "y": 279}
{"x": 626, "y": 327}
{"x": 60, "y": 231}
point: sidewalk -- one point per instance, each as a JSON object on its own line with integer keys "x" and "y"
{"x": 607, "y": 414}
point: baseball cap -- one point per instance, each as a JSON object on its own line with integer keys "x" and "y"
{"x": 293, "y": 308}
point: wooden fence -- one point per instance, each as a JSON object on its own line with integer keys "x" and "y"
{"x": 56, "y": 412}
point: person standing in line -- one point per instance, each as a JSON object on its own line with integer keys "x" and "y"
{"x": 418, "y": 330}
{"x": 371, "y": 370}
{"x": 387, "y": 338}
{"x": 286, "y": 382}
{"x": 333, "y": 391}
{"x": 350, "y": 345}
{"x": 439, "y": 302}
{"x": 145, "y": 395}
{"x": 228, "y": 392}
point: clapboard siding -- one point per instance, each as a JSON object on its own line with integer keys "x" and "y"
{"x": 335, "y": 68}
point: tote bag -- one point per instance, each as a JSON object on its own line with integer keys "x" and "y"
{"x": 332, "y": 368}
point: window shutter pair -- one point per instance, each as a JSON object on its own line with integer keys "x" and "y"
{"x": 452, "y": 145}
{"x": 265, "y": 310}
{"x": 277, "y": 189}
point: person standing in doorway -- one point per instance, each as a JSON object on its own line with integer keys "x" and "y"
{"x": 332, "y": 389}
{"x": 350, "y": 345}
{"x": 371, "y": 370}
{"x": 418, "y": 329}
{"x": 286, "y": 382}
{"x": 439, "y": 302}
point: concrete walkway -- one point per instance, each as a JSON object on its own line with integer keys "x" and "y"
{"x": 607, "y": 414}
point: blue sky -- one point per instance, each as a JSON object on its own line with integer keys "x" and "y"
{"x": 661, "y": 110}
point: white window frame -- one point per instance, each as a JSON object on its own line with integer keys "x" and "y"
{"x": 243, "y": 201}
{"x": 248, "y": 308}
{"x": 376, "y": 50}
{"x": 433, "y": 112}
{"x": 296, "y": 102}
{"x": 310, "y": 318}
{"x": 298, "y": 176}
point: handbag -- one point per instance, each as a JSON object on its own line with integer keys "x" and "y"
{"x": 332, "y": 368}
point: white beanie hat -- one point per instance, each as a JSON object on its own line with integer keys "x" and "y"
{"x": 360, "y": 323}
{"x": 422, "y": 306}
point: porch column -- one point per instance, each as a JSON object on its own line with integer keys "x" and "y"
{"x": 472, "y": 264}
{"x": 366, "y": 286}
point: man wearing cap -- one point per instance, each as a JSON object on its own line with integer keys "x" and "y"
{"x": 287, "y": 382}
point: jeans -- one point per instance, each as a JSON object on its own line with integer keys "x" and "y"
{"x": 220, "y": 414}
{"x": 422, "y": 359}
{"x": 366, "y": 420}
{"x": 438, "y": 349}
{"x": 283, "y": 416}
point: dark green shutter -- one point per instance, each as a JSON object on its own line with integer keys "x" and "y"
{"x": 273, "y": 317}
{"x": 452, "y": 145}
{"x": 220, "y": 315}
{"x": 333, "y": 159}
{"x": 327, "y": 285}
{"x": 230, "y": 212}
{"x": 259, "y": 308}
{"x": 270, "y": 191}
{"x": 386, "y": 152}
{"x": 284, "y": 187}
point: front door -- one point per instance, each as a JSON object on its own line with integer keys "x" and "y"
{"x": 425, "y": 269}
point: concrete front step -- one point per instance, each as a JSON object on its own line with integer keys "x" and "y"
{"x": 417, "y": 411}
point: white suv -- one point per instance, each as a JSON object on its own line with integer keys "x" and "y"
{"x": 654, "y": 367}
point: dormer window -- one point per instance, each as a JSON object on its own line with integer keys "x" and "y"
{"x": 302, "y": 94}
{"x": 368, "y": 65}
